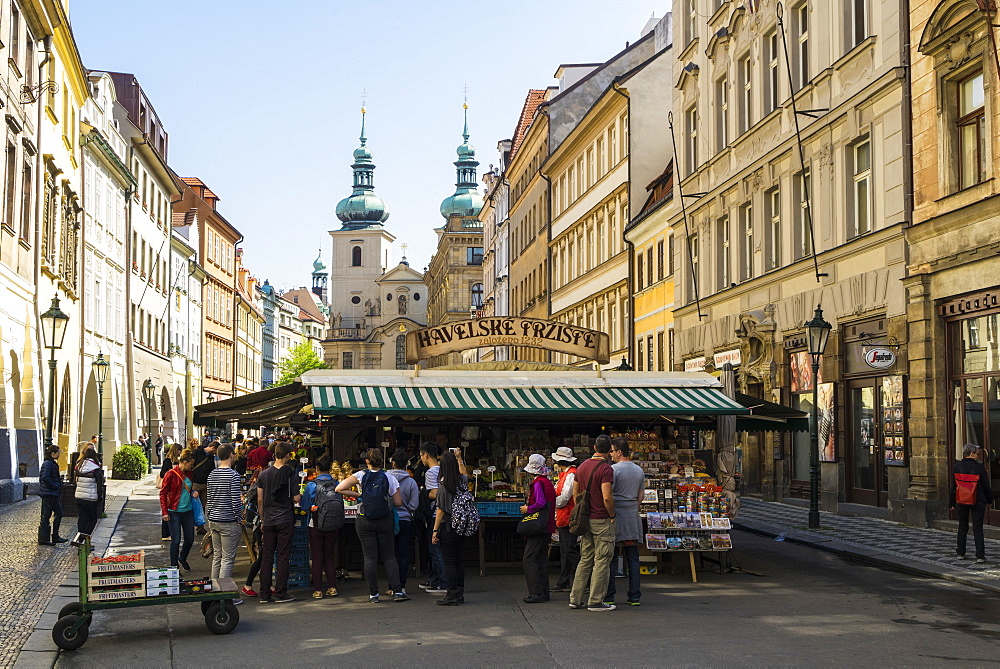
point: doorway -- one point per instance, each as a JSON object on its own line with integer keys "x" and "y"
{"x": 867, "y": 474}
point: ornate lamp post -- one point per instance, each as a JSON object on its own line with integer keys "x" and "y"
{"x": 817, "y": 332}
{"x": 100, "y": 367}
{"x": 149, "y": 393}
{"x": 54, "y": 323}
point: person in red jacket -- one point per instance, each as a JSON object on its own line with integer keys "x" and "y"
{"x": 536, "y": 548}
{"x": 967, "y": 469}
{"x": 176, "y": 495}
{"x": 259, "y": 458}
{"x": 569, "y": 545}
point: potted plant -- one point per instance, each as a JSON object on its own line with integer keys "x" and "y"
{"x": 129, "y": 463}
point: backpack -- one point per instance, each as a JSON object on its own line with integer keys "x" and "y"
{"x": 966, "y": 489}
{"x": 464, "y": 512}
{"x": 374, "y": 495}
{"x": 579, "y": 517}
{"x": 329, "y": 505}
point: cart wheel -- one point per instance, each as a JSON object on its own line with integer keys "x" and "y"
{"x": 64, "y": 636}
{"x": 222, "y": 617}
{"x": 71, "y": 609}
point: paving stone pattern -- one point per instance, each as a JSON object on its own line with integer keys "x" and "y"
{"x": 31, "y": 573}
{"x": 912, "y": 543}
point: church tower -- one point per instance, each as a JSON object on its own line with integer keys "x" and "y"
{"x": 361, "y": 247}
{"x": 467, "y": 201}
{"x": 319, "y": 278}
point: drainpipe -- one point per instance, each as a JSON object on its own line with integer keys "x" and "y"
{"x": 548, "y": 231}
{"x": 907, "y": 110}
{"x": 631, "y": 253}
{"x": 39, "y": 188}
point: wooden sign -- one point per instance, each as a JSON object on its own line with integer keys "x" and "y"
{"x": 507, "y": 331}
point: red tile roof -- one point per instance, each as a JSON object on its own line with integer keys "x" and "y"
{"x": 534, "y": 98}
{"x": 182, "y": 218}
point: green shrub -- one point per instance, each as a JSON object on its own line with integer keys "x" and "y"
{"x": 129, "y": 462}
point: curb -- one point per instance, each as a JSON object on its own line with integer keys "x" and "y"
{"x": 39, "y": 650}
{"x": 869, "y": 555}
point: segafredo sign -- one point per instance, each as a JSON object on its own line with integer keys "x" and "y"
{"x": 880, "y": 358}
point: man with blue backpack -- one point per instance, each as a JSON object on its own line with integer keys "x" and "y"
{"x": 377, "y": 521}
{"x": 325, "y": 507}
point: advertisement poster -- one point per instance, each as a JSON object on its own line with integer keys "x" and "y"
{"x": 827, "y": 450}
{"x": 801, "y": 368}
{"x": 893, "y": 422}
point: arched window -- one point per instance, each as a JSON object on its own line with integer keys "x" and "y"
{"x": 356, "y": 256}
{"x": 477, "y": 295}
{"x": 401, "y": 351}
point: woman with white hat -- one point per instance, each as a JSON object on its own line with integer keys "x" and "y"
{"x": 542, "y": 498}
{"x": 569, "y": 545}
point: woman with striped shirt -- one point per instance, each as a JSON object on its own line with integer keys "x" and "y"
{"x": 224, "y": 512}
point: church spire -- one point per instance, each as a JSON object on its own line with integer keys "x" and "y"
{"x": 466, "y": 202}
{"x": 362, "y": 209}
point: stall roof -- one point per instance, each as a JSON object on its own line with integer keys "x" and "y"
{"x": 267, "y": 407}
{"x": 767, "y": 416}
{"x": 486, "y": 394}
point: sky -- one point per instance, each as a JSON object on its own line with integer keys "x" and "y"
{"x": 264, "y": 105}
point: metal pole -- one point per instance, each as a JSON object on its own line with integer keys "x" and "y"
{"x": 100, "y": 420}
{"x": 50, "y": 410}
{"x": 149, "y": 437}
{"x": 814, "y": 451}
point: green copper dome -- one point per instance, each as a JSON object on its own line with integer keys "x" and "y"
{"x": 467, "y": 201}
{"x": 362, "y": 208}
{"x": 318, "y": 266}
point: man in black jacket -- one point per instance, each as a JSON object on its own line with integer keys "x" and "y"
{"x": 971, "y": 465}
{"x": 50, "y": 491}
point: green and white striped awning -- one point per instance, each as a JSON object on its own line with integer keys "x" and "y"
{"x": 587, "y": 401}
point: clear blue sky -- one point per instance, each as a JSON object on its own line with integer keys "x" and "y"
{"x": 262, "y": 100}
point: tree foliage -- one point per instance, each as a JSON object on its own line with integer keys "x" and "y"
{"x": 302, "y": 357}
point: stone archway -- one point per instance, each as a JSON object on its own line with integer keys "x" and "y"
{"x": 756, "y": 377}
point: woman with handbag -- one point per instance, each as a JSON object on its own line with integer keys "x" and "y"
{"x": 537, "y": 526}
{"x": 177, "y": 497}
{"x": 169, "y": 458}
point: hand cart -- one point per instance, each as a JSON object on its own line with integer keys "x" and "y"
{"x": 73, "y": 626}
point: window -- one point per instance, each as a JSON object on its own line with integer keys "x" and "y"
{"x": 670, "y": 350}
{"x": 15, "y": 33}
{"x": 659, "y": 261}
{"x": 649, "y": 266}
{"x": 477, "y": 295}
{"x": 639, "y": 357}
{"x": 474, "y": 255}
{"x": 26, "y": 190}
{"x": 9, "y": 178}
{"x": 692, "y": 20}
{"x": 348, "y": 360}
{"x": 771, "y": 95}
{"x": 649, "y": 353}
{"x": 802, "y": 241}
{"x": 801, "y": 27}
{"x": 746, "y": 247}
{"x": 639, "y": 273}
{"x": 693, "y": 250}
{"x": 971, "y": 131}
{"x": 725, "y": 252}
{"x": 401, "y": 352}
{"x": 858, "y": 22}
{"x": 356, "y": 256}
{"x": 772, "y": 199}
{"x": 746, "y": 93}
{"x": 29, "y": 59}
{"x": 659, "y": 348}
{"x": 861, "y": 191}
{"x": 691, "y": 128}
{"x": 722, "y": 113}
{"x": 670, "y": 255}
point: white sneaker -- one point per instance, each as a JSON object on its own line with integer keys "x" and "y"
{"x": 237, "y": 602}
{"x": 601, "y": 607}
{"x": 437, "y": 591}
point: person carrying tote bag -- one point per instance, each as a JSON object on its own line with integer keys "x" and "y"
{"x": 538, "y": 531}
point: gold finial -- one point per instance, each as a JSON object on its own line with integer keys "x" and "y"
{"x": 364, "y": 99}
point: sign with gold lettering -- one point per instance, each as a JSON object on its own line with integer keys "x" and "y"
{"x": 507, "y": 331}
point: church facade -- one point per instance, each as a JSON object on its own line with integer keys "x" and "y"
{"x": 372, "y": 305}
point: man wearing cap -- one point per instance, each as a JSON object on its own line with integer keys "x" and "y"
{"x": 569, "y": 545}
{"x": 542, "y": 498}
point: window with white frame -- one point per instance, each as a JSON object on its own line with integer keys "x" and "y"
{"x": 746, "y": 241}
{"x": 772, "y": 200}
{"x": 857, "y": 22}
{"x": 691, "y": 129}
{"x": 971, "y": 130}
{"x": 693, "y": 250}
{"x": 746, "y": 93}
{"x": 692, "y": 20}
{"x": 801, "y": 29}
{"x": 771, "y": 94}
{"x": 722, "y": 113}
{"x": 725, "y": 259}
{"x": 861, "y": 188}
{"x": 801, "y": 239}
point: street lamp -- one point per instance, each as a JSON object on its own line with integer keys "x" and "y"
{"x": 100, "y": 367}
{"x": 817, "y": 334}
{"x": 149, "y": 392}
{"x": 624, "y": 367}
{"x": 211, "y": 397}
{"x": 54, "y": 323}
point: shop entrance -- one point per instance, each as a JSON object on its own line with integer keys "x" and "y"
{"x": 867, "y": 474}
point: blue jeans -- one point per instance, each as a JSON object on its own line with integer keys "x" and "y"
{"x": 436, "y": 577}
{"x": 180, "y": 521}
{"x": 631, "y": 555}
{"x": 404, "y": 545}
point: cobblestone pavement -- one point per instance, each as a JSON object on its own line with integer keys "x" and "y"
{"x": 31, "y": 573}
{"x": 888, "y": 538}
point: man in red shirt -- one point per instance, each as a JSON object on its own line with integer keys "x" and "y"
{"x": 260, "y": 457}
{"x": 597, "y": 545}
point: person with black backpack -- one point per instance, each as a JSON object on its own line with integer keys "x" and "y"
{"x": 455, "y": 519}
{"x": 325, "y": 507}
{"x": 376, "y": 521}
